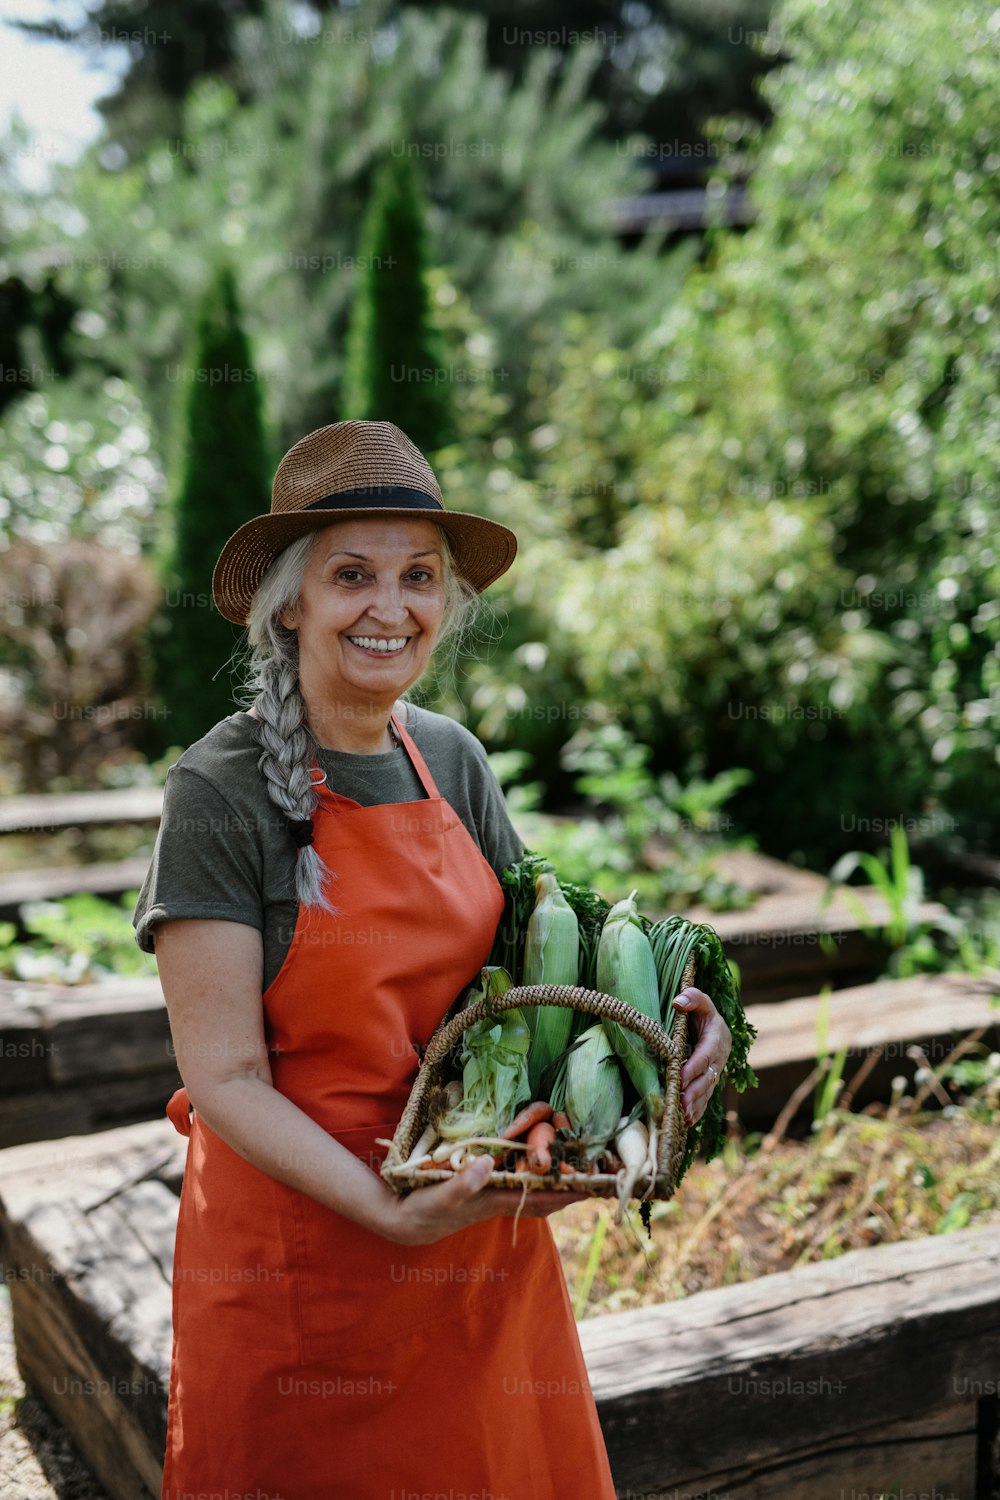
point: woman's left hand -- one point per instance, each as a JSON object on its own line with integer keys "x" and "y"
{"x": 713, "y": 1041}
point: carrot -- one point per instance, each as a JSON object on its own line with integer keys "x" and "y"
{"x": 560, "y": 1120}
{"x": 540, "y": 1139}
{"x": 531, "y": 1114}
{"x": 522, "y": 1166}
{"x": 567, "y": 1169}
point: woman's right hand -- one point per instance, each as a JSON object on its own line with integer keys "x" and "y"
{"x": 432, "y": 1213}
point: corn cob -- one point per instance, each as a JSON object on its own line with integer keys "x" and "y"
{"x": 551, "y": 956}
{"x": 594, "y": 1090}
{"x": 625, "y": 968}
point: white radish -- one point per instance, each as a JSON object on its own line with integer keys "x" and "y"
{"x": 632, "y": 1145}
{"x": 423, "y": 1148}
{"x": 447, "y": 1149}
{"x": 652, "y": 1165}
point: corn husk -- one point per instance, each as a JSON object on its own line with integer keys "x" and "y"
{"x": 551, "y": 956}
{"x": 594, "y": 1091}
{"x": 626, "y": 968}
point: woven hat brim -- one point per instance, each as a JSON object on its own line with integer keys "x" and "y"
{"x": 483, "y": 549}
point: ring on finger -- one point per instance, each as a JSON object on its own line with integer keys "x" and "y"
{"x": 715, "y": 1076}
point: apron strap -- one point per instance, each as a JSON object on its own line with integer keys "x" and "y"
{"x": 324, "y": 789}
{"x": 419, "y": 764}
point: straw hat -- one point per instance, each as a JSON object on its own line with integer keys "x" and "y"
{"x": 340, "y": 472}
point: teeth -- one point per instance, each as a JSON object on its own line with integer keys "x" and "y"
{"x": 378, "y": 643}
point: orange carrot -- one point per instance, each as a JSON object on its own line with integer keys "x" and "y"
{"x": 560, "y": 1120}
{"x": 522, "y": 1165}
{"x": 567, "y": 1169}
{"x": 540, "y": 1139}
{"x": 530, "y": 1115}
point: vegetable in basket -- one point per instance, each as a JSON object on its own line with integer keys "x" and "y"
{"x": 494, "y": 1072}
{"x": 594, "y": 1091}
{"x": 551, "y": 956}
{"x": 673, "y": 941}
{"x": 625, "y": 969}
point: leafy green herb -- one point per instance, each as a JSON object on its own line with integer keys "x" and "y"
{"x": 673, "y": 941}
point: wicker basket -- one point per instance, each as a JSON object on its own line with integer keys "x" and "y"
{"x": 671, "y": 1049}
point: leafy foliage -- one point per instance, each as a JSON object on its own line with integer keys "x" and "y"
{"x": 395, "y": 370}
{"x": 792, "y": 505}
{"x": 225, "y": 481}
{"x": 75, "y": 941}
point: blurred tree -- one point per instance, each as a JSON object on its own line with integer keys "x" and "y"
{"x": 395, "y": 369}
{"x": 665, "y": 65}
{"x": 516, "y": 183}
{"x": 72, "y": 696}
{"x": 169, "y": 46}
{"x": 26, "y": 311}
{"x": 225, "y": 480}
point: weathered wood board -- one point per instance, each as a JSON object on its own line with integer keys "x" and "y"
{"x": 856, "y": 1374}
{"x": 109, "y": 878}
{"x": 87, "y": 1230}
{"x": 47, "y": 812}
{"x": 932, "y": 1010}
{"x": 844, "y": 1378}
{"x": 82, "y": 1057}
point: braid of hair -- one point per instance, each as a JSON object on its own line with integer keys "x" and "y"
{"x": 289, "y": 751}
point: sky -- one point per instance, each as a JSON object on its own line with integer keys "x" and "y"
{"x": 50, "y": 84}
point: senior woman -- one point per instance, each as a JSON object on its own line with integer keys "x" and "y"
{"x": 324, "y": 886}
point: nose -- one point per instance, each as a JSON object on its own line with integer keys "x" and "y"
{"x": 388, "y": 605}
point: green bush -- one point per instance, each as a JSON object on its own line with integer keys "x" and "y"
{"x": 226, "y": 479}
{"x": 395, "y": 369}
{"x": 786, "y": 558}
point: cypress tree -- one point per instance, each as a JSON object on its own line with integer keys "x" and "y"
{"x": 394, "y": 369}
{"x": 224, "y": 481}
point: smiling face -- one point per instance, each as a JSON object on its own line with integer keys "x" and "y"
{"x": 369, "y": 612}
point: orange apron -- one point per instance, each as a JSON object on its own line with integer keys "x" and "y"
{"x": 313, "y": 1359}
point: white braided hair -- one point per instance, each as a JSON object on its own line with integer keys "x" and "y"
{"x": 289, "y": 747}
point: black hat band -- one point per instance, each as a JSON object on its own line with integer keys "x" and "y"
{"x": 378, "y": 497}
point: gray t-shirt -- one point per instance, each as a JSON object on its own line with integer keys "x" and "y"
{"x": 224, "y": 851}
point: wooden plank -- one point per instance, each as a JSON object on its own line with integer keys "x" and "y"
{"x": 933, "y": 1454}
{"x": 89, "y": 1167}
{"x": 103, "y": 879}
{"x": 76, "y": 1109}
{"x": 86, "y": 1234}
{"x": 933, "y": 1010}
{"x": 48, "y": 812}
{"x": 24, "y": 1047}
{"x": 81, "y": 1058}
{"x": 111, "y": 1028}
{"x": 809, "y": 1375}
{"x": 797, "y": 1360}
{"x": 779, "y": 949}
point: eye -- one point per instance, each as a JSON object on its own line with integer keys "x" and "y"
{"x": 349, "y": 575}
{"x": 422, "y": 575}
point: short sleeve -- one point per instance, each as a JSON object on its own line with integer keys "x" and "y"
{"x": 207, "y": 862}
{"x": 494, "y": 832}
